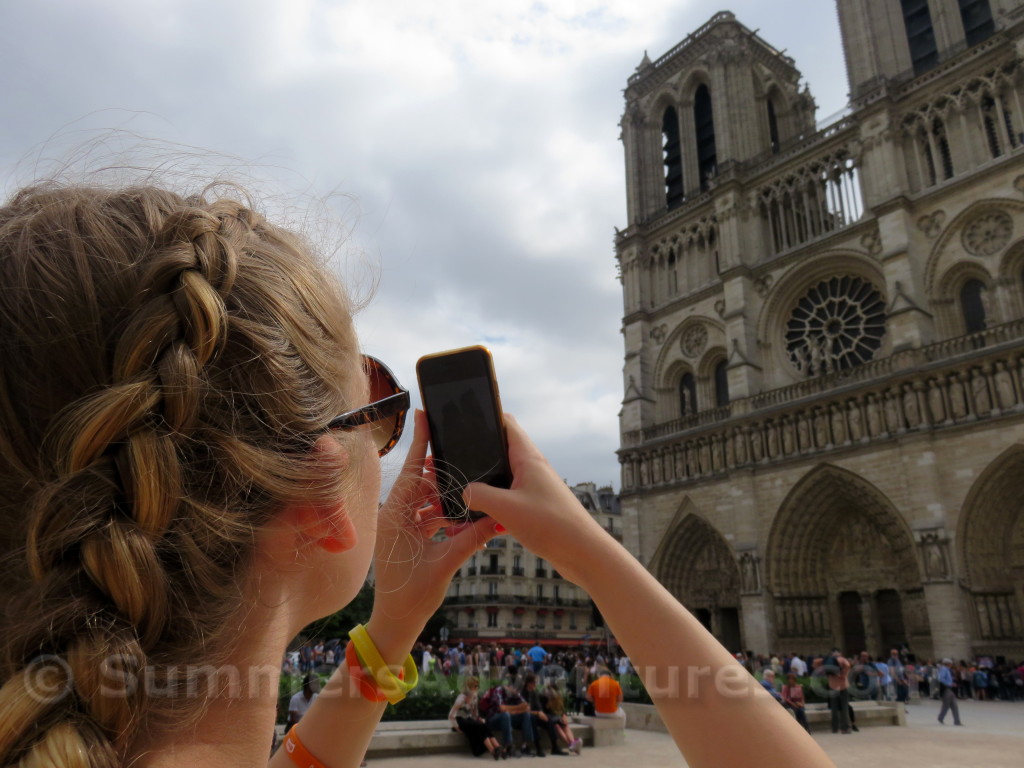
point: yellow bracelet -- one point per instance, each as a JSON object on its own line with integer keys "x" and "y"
{"x": 390, "y": 685}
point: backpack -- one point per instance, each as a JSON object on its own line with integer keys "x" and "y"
{"x": 488, "y": 706}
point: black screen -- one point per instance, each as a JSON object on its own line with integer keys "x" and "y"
{"x": 465, "y": 429}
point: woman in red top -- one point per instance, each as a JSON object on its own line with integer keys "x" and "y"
{"x": 793, "y": 696}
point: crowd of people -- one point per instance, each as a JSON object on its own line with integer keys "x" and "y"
{"x": 897, "y": 677}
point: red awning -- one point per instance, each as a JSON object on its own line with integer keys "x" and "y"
{"x": 559, "y": 611}
{"x": 518, "y": 610}
{"x": 492, "y": 609}
{"x": 542, "y": 611}
{"x": 470, "y": 610}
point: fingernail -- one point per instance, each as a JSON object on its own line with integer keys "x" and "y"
{"x": 499, "y": 528}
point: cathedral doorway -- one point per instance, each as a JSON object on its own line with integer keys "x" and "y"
{"x": 697, "y": 565}
{"x": 852, "y": 621}
{"x": 992, "y": 545}
{"x": 842, "y": 569}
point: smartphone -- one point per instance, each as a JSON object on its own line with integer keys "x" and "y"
{"x": 467, "y": 434}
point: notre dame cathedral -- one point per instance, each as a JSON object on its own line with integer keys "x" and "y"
{"x": 822, "y": 434}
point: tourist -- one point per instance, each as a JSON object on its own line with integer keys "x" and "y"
{"x": 793, "y": 697}
{"x": 947, "y": 687}
{"x": 189, "y": 458}
{"x": 605, "y": 694}
{"x": 464, "y": 717}
{"x": 554, "y": 708}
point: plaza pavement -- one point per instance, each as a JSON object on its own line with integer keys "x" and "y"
{"x": 992, "y": 736}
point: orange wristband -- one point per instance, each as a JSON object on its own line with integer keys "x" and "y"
{"x": 368, "y": 688}
{"x": 298, "y": 753}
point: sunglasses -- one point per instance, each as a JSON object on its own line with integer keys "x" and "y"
{"x": 389, "y": 404}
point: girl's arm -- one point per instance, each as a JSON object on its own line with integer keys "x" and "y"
{"x": 717, "y": 713}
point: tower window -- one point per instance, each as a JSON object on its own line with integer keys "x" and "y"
{"x": 673, "y": 158}
{"x": 972, "y": 304}
{"x": 722, "y": 383}
{"x": 977, "y": 18}
{"x": 773, "y": 127}
{"x": 920, "y": 35}
{"x": 707, "y": 157}
{"x": 687, "y": 395}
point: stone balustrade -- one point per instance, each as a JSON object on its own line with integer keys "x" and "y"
{"x": 952, "y": 382}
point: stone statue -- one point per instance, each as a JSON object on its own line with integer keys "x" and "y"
{"x": 892, "y": 412}
{"x": 979, "y": 390}
{"x": 750, "y": 580}
{"x": 773, "y": 440}
{"x": 910, "y": 408}
{"x": 874, "y": 415}
{"x": 684, "y": 395}
{"x": 803, "y": 432}
{"x": 935, "y": 401}
{"x": 788, "y": 436}
{"x": 756, "y": 446}
{"x": 854, "y": 418}
{"x": 838, "y": 424}
{"x": 716, "y": 453}
{"x": 820, "y": 428}
{"x": 739, "y": 441}
{"x": 1004, "y": 387}
{"x": 935, "y": 566}
{"x": 705, "y": 457}
{"x": 655, "y": 469}
{"x": 957, "y": 403}
{"x": 627, "y": 473}
{"x": 680, "y": 458}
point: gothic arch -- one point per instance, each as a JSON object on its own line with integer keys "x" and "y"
{"x": 842, "y": 568}
{"x": 991, "y": 525}
{"x": 836, "y": 530}
{"x": 696, "y": 564}
{"x": 788, "y": 290}
{"x": 991, "y": 550}
{"x": 671, "y": 355}
{"x": 946, "y": 301}
{"x": 948, "y": 244}
{"x": 1010, "y": 276}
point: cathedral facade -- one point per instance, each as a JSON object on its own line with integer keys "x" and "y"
{"x": 822, "y": 434}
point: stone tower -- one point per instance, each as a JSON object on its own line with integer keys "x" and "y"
{"x": 823, "y": 415}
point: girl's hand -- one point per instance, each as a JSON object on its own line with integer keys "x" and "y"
{"x": 539, "y": 509}
{"x": 411, "y": 569}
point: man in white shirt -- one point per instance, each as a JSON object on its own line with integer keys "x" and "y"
{"x": 301, "y": 701}
{"x": 798, "y": 666}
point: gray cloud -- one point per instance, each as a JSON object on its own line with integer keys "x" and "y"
{"x": 471, "y": 149}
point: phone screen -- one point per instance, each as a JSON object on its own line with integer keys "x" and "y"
{"x": 466, "y": 433}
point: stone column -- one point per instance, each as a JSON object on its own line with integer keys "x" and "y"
{"x": 872, "y": 634}
{"x": 758, "y": 624}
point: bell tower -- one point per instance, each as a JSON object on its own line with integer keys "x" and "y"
{"x": 887, "y": 39}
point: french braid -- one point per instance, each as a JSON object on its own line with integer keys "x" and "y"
{"x": 163, "y": 359}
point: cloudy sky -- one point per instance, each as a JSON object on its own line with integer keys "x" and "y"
{"x": 466, "y": 153}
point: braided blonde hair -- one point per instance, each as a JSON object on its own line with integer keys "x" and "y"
{"x": 162, "y": 361}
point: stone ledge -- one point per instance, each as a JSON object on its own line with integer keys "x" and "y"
{"x": 419, "y": 737}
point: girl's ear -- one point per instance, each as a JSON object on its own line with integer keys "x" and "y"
{"x": 327, "y": 526}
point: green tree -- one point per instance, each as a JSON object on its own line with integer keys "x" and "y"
{"x": 338, "y": 624}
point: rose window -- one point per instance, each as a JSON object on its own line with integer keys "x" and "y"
{"x": 839, "y": 323}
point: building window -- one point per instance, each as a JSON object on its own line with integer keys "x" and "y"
{"x": 492, "y": 619}
{"x": 673, "y": 158}
{"x": 839, "y": 323}
{"x": 707, "y": 156}
{"x": 722, "y": 383}
{"x": 540, "y": 591}
{"x": 920, "y": 35}
{"x": 687, "y": 394}
{"x": 977, "y": 18}
{"x": 492, "y": 589}
{"x": 972, "y": 304}
{"x": 773, "y": 127}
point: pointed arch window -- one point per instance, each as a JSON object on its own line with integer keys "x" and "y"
{"x": 707, "y": 156}
{"x": 672, "y": 157}
{"x": 687, "y": 395}
{"x": 773, "y": 126}
{"x": 920, "y": 35}
{"x": 972, "y": 304}
{"x": 977, "y": 18}
{"x": 722, "y": 383}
